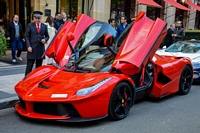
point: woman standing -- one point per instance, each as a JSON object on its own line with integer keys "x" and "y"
{"x": 51, "y": 31}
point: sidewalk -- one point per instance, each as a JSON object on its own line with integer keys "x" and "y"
{"x": 7, "y": 60}
{"x": 7, "y": 93}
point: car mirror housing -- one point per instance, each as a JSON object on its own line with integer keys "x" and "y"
{"x": 108, "y": 40}
{"x": 70, "y": 36}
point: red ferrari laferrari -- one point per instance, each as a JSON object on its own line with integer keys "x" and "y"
{"x": 99, "y": 76}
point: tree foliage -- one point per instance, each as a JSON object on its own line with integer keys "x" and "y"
{"x": 3, "y": 46}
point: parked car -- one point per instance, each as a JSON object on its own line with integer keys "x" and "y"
{"x": 97, "y": 78}
{"x": 188, "y": 48}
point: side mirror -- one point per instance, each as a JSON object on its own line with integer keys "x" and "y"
{"x": 70, "y": 36}
{"x": 108, "y": 40}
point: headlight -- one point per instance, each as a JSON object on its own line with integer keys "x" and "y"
{"x": 88, "y": 90}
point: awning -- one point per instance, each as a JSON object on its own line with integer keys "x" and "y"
{"x": 149, "y": 3}
{"x": 177, "y": 5}
{"x": 192, "y": 5}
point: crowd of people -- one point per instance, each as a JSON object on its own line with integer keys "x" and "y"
{"x": 39, "y": 35}
{"x": 37, "y": 39}
{"x": 175, "y": 33}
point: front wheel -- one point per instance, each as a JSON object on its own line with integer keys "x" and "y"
{"x": 185, "y": 80}
{"x": 120, "y": 101}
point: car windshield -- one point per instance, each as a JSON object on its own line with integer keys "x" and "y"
{"x": 184, "y": 47}
{"x": 97, "y": 60}
{"x": 89, "y": 34}
{"x": 92, "y": 55}
{"x": 94, "y": 36}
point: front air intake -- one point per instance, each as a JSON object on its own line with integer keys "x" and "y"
{"x": 56, "y": 109}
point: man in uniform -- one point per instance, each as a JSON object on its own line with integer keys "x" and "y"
{"x": 36, "y": 36}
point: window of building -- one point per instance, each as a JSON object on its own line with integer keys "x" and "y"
{"x": 153, "y": 12}
{"x": 121, "y": 8}
{"x": 197, "y": 21}
{"x": 20, "y": 7}
{"x": 181, "y": 15}
{"x": 71, "y": 7}
{"x": 3, "y": 12}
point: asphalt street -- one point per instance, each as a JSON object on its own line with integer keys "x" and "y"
{"x": 9, "y": 77}
{"x": 10, "y": 74}
{"x": 12, "y": 70}
{"x": 173, "y": 114}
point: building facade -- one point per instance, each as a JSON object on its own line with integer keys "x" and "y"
{"x": 102, "y": 10}
{"x": 170, "y": 11}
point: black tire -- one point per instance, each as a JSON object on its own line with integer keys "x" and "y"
{"x": 120, "y": 101}
{"x": 185, "y": 80}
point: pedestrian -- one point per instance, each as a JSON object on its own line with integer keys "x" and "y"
{"x": 36, "y": 36}
{"x": 179, "y": 32}
{"x": 57, "y": 19}
{"x": 111, "y": 21}
{"x": 168, "y": 38}
{"x": 122, "y": 26}
{"x": 51, "y": 32}
{"x": 64, "y": 18}
{"x": 15, "y": 35}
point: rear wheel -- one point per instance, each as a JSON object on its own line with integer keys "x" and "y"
{"x": 120, "y": 101}
{"x": 185, "y": 80}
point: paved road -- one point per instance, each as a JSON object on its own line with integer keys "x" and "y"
{"x": 9, "y": 76}
{"x": 12, "y": 70}
{"x": 174, "y": 114}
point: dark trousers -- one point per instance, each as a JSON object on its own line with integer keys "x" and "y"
{"x": 30, "y": 63}
{"x": 16, "y": 44}
{"x": 167, "y": 43}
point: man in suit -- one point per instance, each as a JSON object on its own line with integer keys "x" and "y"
{"x": 36, "y": 36}
{"x": 64, "y": 18}
{"x": 169, "y": 39}
{"x": 15, "y": 35}
{"x": 121, "y": 27}
{"x": 57, "y": 20}
{"x": 111, "y": 21}
{"x": 179, "y": 32}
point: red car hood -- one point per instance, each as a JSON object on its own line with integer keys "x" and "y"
{"x": 144, "y": 38}
{"x": 58, "y": 82}
{"x": 59, "y": 49}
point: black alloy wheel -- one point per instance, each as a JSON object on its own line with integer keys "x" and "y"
{"x": 185, "y": 80}
{"x": 120, "y": 101}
